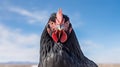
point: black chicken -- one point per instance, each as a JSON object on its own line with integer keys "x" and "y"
{"x": 59, "y": 46}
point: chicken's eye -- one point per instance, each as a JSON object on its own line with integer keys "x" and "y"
{"x": 67, "y": 22}
{"x": 51, "y": 23}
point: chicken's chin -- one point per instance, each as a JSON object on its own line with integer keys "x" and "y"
{"x": 59, "y": 36}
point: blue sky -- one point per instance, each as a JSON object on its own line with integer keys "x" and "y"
{"x": 96, "y": 23}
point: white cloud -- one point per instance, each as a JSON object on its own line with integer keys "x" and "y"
{"x": 90, "y": 45}
{"x": 99, "y": 53}
{"x": 108, "y": 55}
{"x": 17, "y": 46}
{"x": 32, "y": 16}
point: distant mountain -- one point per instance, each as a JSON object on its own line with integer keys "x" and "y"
{"x": 18, "y": 62}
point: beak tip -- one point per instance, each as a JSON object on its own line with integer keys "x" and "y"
{"x": 60, "y": 27}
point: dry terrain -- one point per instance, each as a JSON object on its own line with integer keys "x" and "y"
{"x": 18, "y": 65}
{"x": 109, "y": 65}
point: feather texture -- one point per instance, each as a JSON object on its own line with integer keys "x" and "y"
{"x": 67, "y": 54}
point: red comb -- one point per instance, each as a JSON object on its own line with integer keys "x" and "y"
{"x": 59, "y": 16}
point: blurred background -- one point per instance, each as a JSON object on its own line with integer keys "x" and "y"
{"x": 96, "y": 23}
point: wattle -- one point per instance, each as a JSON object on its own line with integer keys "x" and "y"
{"x": 62, "y": 38}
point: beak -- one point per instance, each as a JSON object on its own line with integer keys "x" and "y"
{"x": 60, "y": 27}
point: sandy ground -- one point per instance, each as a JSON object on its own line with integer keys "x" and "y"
{"x": 18, "y": 65}
{"x": 109, "y": 65}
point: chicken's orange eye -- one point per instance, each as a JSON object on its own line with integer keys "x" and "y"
{"x": 67, "y": 22}
{"x": 52, "y": 23}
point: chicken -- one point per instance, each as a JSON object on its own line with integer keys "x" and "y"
{"x": 59, "y": 46}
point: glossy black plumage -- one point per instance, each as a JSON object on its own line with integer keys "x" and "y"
{"x": 66, "y": 54}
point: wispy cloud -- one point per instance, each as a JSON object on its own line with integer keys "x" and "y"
{"x": 18, "y": 46}
{"x": 39, "y": 16}
{"x": 100, "y": 53}
{"x": 90, "y": 48}
{"x": 90, "y": 45}
{"x": 107, "y": 55}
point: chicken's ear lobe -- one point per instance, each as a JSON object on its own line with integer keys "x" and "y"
{"x": 70, "y": 30}
{"x": 49, "y": 31}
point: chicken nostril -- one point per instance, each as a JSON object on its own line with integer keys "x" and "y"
{"x": 62, "y": 26}
{"x": 53, "y": 29}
